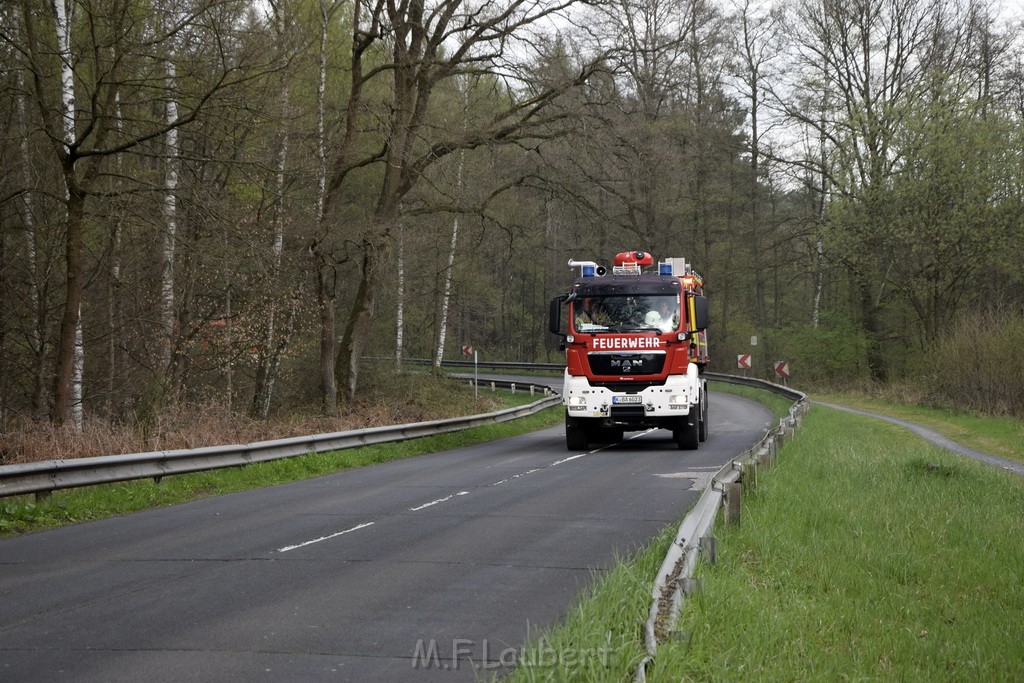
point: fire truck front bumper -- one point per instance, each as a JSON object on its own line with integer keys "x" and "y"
{"x": 676, "y": 398}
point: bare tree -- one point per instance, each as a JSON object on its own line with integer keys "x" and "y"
{"x": 758, "y": 46}
{"x": 428, "y": 45}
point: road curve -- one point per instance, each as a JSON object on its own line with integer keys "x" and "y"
{"x": 448, "y": 559}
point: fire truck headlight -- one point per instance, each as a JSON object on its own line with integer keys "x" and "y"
{"x": 678, "y": 401}
{"x": 569, "y": 338}
{"x": 577, "y": 401}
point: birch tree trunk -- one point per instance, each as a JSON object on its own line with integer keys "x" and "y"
{"x": 819, "y": 264}
{"x": 71, "y": 352}
{"x": 326, "y": 274}
{"x": 400, "y": 314}
{"x": 269, "y": 363}
{"x": 114, "y": 290}
{"x": 271, "y": 353}
{"x": 446, "y": 295}
{"x": 167, "y": 253}
{"x": 459, "y": 181}
{"x": 229, "y": 374}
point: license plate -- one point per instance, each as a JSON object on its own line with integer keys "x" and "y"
{"x": 627, "y": 399}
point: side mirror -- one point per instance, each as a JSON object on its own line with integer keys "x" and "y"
{"x": 702, "y": 313}
{"x": 555, "y": 316}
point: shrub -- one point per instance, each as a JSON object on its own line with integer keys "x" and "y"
{"x": 978, "y": 365}
{"x": 834, "y": 352}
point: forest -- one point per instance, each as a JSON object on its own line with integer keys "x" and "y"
{"x": 257, "y": 204}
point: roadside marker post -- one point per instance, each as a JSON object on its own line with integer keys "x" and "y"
{"x": 468, "y": 350}
{"x": 743, "y": 362}
{"x": 782, "y": 370}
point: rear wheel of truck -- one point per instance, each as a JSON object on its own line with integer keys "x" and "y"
{"x": 687, "y": 433}
{"x": 575, "y": 434}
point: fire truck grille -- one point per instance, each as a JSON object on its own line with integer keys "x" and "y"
{"x": 626, "y": 363}
{"x": 628, "y": 387}
{"x": 625, "y": 412}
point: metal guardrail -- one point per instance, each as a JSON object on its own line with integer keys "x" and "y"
{"x": 50, "y": 475}
{"x": 675, "y": 579}
{"x": 787, "y": 392}
{"x": 497, "y": 365}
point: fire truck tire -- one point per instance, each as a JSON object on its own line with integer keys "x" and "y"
{"x": 687, "y": 434}
{"x": 703, "y": 432}
{"x": 575, "y": 434}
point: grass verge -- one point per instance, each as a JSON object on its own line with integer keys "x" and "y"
{"x": 865, "y": 554}
{"x": 21, "y": 513}
{"x": 779, "y": 405}
{"x": 1003, "y": 436}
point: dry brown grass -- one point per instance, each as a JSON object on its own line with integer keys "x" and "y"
{"x": 212, "y": 424}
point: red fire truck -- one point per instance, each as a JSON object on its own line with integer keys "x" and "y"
{"x": 636, "y": 349}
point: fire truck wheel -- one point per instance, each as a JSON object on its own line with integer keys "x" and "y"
{"x": 704, "y": 418}
{"x": 575, "y": 434}
{"x": 687, "y": 434}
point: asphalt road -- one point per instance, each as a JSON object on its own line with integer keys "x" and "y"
{"x": 410, "y": 570}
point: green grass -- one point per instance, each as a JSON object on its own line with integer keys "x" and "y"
{"x": 865, "y": 554}
{"x": 777, "y": 404}
{"x": 21, "y": 513}
{"x": 1001, "y": 436}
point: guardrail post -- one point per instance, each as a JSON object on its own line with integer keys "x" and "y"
{"x": 733, "y": 493}
{"x": 531, "y": 389}
{"x": 765, "y": 459}
{"x": 749, "y": 479}
{"x": 513, "y": 387}
{"x": 492, "y": 386}
{"x": 709, "y": 547}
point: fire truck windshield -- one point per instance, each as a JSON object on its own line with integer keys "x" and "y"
{"x": 634, "y": 313}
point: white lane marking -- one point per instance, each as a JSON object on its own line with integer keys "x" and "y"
{"x": 324, "y": 538}
{"x": 573, "y": 457}
{"x": 460, "y": 493}
{"x": 597, "y": 450}
{"x": 439, "y": 500}
{"x": 516, "y": 476}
